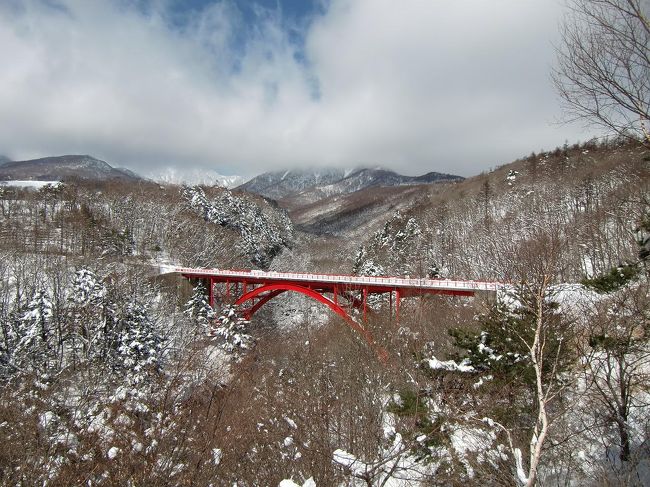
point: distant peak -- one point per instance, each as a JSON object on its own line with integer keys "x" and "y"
{"x": 327, "y": 181}
{"x": 81, "y": 166}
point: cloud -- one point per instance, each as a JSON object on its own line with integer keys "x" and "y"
{"x": 415, "y": 85}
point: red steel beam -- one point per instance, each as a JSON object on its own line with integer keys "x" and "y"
{"x": 307, "y": 292}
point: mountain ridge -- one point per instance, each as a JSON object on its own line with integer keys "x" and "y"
{"x": 279, "y": 184}
{"x": 308, "y": 186}
{"x": 71, "y": 166}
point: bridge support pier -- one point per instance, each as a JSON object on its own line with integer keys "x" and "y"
{"x": 365, "y": 303}
{"x": 209, "y": 285}
{"x": 398, "y": 302}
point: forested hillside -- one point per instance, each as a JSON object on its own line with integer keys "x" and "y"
{"x": 590, "y": 198}
{"x": 113, "y": 376}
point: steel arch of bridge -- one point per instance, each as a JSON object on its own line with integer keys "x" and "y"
{"x": 269, "y": 291}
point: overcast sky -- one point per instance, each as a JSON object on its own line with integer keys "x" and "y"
{"x": 243, "y": 87}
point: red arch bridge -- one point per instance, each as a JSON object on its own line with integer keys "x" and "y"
{"x": 253, "y": 289}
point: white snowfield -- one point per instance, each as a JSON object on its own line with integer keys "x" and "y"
{"x": 394, "y": 282}
{"x": 35, "y": 184}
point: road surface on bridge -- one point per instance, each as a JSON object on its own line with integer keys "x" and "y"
{"x": 371, "y": 283}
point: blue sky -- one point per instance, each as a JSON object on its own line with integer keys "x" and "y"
{"x": 294, "y": 14}
{"x": 241, "y": 87}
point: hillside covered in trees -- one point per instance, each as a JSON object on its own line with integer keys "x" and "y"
{"x": 112, "y": 376}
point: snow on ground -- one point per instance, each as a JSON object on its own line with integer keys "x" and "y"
{"x": 467, "y": 440}
{"x": 290, "y": 483}
{"x": 574, "y": 299}
{"x": 436, "y": 364}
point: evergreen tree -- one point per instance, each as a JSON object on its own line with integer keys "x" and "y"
{"x": 263, "y": 232}
{"x": 87, "y": 288}
{"x": 139, "y": 343}
{"x": 86, "y": 316}
{"x": 198, "y": 309}
{"x": 616, "y": 278}
{"x": 394, "y": 250}
{"x": 524, "y": 349}
{"x": 500, "y": 349}
{"x": 36, "y": 343}
{"x": 231, "y": 331}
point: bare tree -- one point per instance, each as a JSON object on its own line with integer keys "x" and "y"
{"x": 616, "y": 368}
{"x": 603, "y": 69}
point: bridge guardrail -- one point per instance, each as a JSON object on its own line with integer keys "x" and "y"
{"x": 345, "y": 279}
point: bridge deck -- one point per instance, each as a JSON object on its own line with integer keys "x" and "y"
{"x": 328, "y": 281}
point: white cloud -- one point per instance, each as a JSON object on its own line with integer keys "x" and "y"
{"x": 419, "y": 85}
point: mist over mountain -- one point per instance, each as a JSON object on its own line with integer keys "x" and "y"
{"x": 4, "y": 159}
{"x": 208, "y": 177}
{"x": 310, "y": 185}
{"x": 278, "y": 184}
{"x": 65, "y": 167}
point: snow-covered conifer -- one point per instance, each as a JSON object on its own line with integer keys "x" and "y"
{"x": 87, "y": 289}
{"x": 85, "y": 335}
{"x": 232, "y": 332}
{"x": 371, "y": 268}
{"x": 139, "y": 343}
{"x": 395, "y": 249}
{"x": 263, "y": 231}
{"x": 197, "y": 307}
{"x": 36, "y": 341}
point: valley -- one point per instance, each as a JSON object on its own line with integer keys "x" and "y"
{"x": 324, "y": 243}
{"x": 113, "y": 373}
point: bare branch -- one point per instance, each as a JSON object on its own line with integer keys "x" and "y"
{"x": 603, "y": 66}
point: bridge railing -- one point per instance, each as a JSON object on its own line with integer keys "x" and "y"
{"x": 343, "y": 279}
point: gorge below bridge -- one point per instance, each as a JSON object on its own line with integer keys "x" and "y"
{"x": 251, "y": 289}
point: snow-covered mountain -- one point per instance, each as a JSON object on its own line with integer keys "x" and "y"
{"x": 312, "y": 185}
{"x": 368, "y": 178}
{"x": 62, "y": 168}
{"x": 172, "y": 175}
{"x": 278, "y": 184}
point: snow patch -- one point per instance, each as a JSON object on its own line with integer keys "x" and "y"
{"x": 217, "y": 454}
{"x": 112, "y": 452}
{"x": 290, "y": 483}
{"x": 436, "y": 364}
